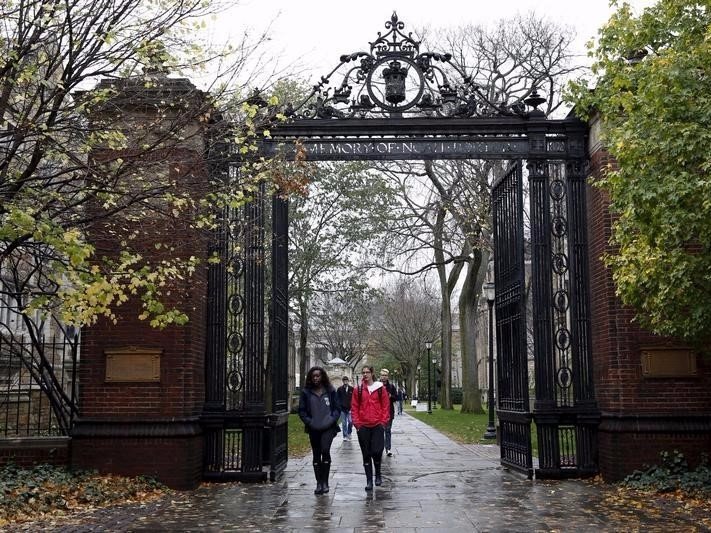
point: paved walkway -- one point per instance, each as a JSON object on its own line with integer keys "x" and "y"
{"x": 431, "y": 484}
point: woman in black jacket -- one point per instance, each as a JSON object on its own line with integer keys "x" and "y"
{"x": 319, "y": 411}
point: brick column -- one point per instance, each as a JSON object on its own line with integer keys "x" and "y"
{"x": 141, "y": 389}
{"x": 646, "y": 408}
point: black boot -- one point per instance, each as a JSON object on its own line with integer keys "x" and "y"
{"x": 317, "y": 473}
{"x": 378, "y": 477}
{"x": 325, "y": 471}
{"x": 368, "y": 477}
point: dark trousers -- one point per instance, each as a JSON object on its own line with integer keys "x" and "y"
{"x": 321, "y": 445}
{"x": 388, "y": 434}
{"x": 372, "y": 442}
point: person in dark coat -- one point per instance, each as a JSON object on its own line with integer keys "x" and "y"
{"x": 319, "y": 411}
{"x": 392, "y": 397}
{"x": 345, "y": 392}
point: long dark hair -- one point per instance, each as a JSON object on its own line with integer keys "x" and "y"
{"x": 325, "y": 382}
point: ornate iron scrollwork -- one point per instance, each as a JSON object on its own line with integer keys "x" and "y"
{"x": 395, "y": 78}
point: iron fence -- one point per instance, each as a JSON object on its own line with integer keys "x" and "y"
{"x": 37, "y": 386}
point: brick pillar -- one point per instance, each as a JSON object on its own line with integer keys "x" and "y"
{"x": 650, "y": 397}
{"x": 141, "y": 389}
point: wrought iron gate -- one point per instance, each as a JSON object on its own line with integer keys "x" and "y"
{"x": 512, "y": 361}
{"x": 245, "y": 428}
{"x": 564, "y": 410}
{"x": 396, "y": 103}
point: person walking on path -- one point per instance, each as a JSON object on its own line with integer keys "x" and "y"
{"x": 370, "y": 408}
{"x": 319, "y": 411}
{"x": 345, "y": 393}
{"x": 401, "y": 397}
{"x": 392, "y": 395}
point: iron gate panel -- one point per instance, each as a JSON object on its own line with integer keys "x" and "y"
{"x": 512, "y": 360}
{"x": 241, "y": 435}
{"x": 565, "y": 412}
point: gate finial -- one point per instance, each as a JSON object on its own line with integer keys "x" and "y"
{"x": 394, "y": 78}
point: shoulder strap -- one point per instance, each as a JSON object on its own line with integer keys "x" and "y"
{"x": 360, "y": 391}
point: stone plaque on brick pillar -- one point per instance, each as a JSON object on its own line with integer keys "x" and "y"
{"x": 668, "y": 362}
{"x": 133, "y": 364}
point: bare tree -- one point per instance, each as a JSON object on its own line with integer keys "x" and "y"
{"x": 343, "y": 322}
{"x": 410, "y": 317}
{"x": 340, "y": 220}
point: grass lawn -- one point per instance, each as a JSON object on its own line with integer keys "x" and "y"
{"x": 463, "y": 427}
{"x": 298, "y": 439}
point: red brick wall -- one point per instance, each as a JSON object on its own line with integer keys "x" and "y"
{"x": 27, "y": 452}
{"x": 175, "y": 461}
{"x": 640, "y": 416}
{"x": 150, "y": 428}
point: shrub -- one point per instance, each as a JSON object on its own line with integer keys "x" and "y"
{"x": 673, "y": 474}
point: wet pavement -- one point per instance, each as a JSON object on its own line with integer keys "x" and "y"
{"x": 431, "y": 484}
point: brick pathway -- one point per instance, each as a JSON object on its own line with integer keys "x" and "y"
{"x": 432, "y": 484}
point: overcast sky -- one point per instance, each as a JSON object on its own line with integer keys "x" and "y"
{"x": 314, "y": 33}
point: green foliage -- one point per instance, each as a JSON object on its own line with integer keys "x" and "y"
{"x": 456, "y": 395}
{"x": 651, "y": 92}
{"x": 672, "y": 475}
{"x": 76, "y": 160}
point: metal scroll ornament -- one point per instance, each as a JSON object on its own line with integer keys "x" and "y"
{"x": 394, "y": 79}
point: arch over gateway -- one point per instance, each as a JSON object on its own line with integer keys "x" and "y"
{"x": 395, "y": 102}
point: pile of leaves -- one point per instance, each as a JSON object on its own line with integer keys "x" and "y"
{"x": 45, "y": 491}
{"x": 670, "y": 489}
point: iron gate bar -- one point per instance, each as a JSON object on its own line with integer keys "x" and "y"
{"x": 510, "y": 302}
{"x": 541, "y": 284}
{"x": 429, "y": 127}
{"x": 279, "y": 337}
{"x": 580, "y": 293}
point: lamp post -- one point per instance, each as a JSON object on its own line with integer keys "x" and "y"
{"x": 490, "y": 294}
{"x": 428, "y": 345}
{"x": 434, "y": 381}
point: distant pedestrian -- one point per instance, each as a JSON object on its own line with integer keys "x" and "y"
{"x": 401, "y": 397}
{"x": 345, "y": 394}
{"x": 319, "y": 411}
{"x": 371, "y": 411}
{"x": 392, "y": 397}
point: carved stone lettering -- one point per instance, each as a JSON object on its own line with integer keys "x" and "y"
{"x": 409, "y": 149}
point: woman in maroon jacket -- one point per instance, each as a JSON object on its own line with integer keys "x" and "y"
{"x": 370, "y": 409}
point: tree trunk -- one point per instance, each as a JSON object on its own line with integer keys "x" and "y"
{"x": 303, "y": 319}
{"x": 445, "y": 396}
{"x": 468, "y": 307}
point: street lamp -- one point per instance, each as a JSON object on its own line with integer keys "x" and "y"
{"x": 428, "y": 345}
{"x": 490, "y": 294}
{"x": 417, "y": 383}
{"x": 434, "y": 380}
